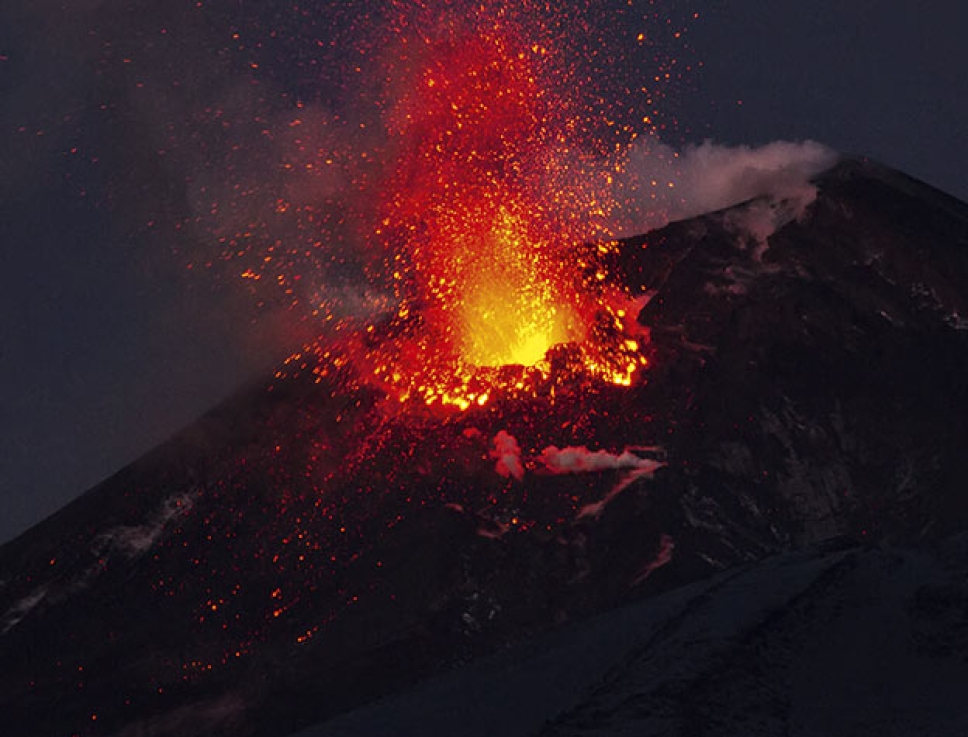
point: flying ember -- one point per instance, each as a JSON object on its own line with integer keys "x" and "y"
{"x": 466, "y": 202}
{"x": 491, "y": 187}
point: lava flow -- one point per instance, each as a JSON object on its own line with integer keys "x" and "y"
{"x": 488, "y": 200}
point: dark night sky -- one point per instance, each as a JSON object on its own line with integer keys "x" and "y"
{"x": 109, "y": 345}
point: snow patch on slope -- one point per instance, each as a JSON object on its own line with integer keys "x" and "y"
{"x": 134, "y": 540}
{"x": 21, "y": 609}
{"x": 130, "y": 541}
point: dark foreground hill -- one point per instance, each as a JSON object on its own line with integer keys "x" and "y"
{"x": 300, "y": 552}
{"x": 864, "y": 641}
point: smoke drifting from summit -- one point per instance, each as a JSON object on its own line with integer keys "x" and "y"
{"x": 658, "y": 184}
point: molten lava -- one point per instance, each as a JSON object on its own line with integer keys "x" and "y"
{"x": 465, "y": 206}
{"x": 481, "y": 215}
{"x": 486, "y": 185}
{"x": 508, "y": 311}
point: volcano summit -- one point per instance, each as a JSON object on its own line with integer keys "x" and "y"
{"x": 793, "y": 374}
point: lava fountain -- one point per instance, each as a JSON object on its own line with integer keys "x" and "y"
{"x": 491, "y": 188}
{"x": 466, "y": 210}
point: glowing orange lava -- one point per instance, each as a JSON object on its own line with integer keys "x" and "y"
{"x": 489, "y": 190}
{"x": 476, "y": 226}
{"x": 464, "y": 211}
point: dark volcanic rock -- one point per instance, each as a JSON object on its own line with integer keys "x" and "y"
{"x": 861, "y": 641}
{"x": 301, "y": 551}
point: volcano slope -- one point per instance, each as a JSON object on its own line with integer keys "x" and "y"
{"x": 301, "y": 550}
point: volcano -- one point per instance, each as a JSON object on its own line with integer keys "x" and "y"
{"x": 302, "y": 550}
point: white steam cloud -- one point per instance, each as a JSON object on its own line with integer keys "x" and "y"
{"x": 507, "y": 453}
{"x": 582, "y": 460}
{"x": 657, "y": 184}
